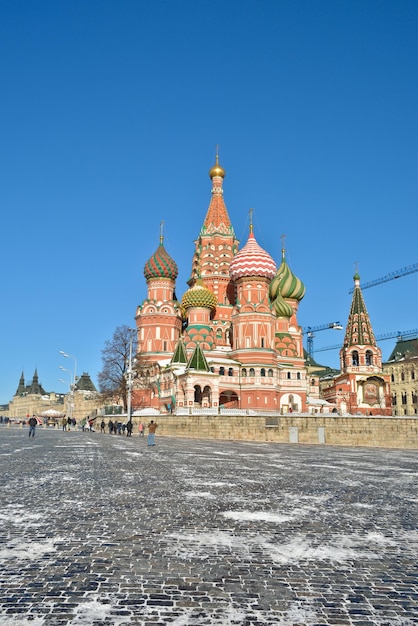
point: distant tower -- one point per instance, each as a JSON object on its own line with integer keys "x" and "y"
{"x": 360, "y": 351}
{"x": 35, "y": 387}
{"x": 361, "y": 388}
{"x": 21, "y": 389}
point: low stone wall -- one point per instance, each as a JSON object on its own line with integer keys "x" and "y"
{"x": 383, "y": 432}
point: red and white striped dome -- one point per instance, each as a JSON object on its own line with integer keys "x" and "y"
{"x": 252, "y": 260}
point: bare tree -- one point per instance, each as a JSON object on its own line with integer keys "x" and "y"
{"x": 115, "y": 358}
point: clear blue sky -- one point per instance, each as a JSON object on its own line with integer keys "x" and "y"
{"x": 110, "y": 116}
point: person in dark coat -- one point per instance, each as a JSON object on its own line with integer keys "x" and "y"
{"x": 33, "y": 422}
{"x": 129, "y": 427}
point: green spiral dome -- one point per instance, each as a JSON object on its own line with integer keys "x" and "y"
{"x": 286, "y": 283}
{"x": 282, "y": 308}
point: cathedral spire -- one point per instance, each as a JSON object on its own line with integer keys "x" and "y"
{"x": 217, "y": 218}
{"x": 21, "y": 387}
{"x": 359, "y": 331}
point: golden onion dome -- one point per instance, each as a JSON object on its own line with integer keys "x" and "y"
{"x": 217, "y": 170}
{"x": 199, "y": 296}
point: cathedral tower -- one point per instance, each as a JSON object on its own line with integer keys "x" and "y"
{"x": 158, "y": 319}
{"x": 215, "y": 248}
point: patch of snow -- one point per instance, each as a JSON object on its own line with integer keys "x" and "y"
{"x": 200, "y": 494}
{"x": 26, "y": 551}
{"x": 257, "y": 516}
{"x": 21, "y": 620}
{"x": 94, "y": 609}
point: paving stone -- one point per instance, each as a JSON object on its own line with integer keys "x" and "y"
{"x": 103, "y": 531}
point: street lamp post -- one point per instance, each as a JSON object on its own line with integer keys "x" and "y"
{"x": 73, "y": 379}
{"x": 70, "y": 395}
{"x": 129, "y": 379}
{"x": 70, "y": 356}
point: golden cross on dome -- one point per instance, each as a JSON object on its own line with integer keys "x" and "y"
{"x": 161, "y": 232}
{"x": 250, "y": 212}
{"x": 283, "y": 237}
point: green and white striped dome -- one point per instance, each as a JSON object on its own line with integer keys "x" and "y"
{"x": 286, "y": 283}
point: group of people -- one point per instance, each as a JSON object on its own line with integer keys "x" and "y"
{"x": 117, "y": 428}
{"x": 68, "y": 422}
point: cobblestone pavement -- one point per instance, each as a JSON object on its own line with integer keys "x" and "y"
{"x": 102, "y": 530}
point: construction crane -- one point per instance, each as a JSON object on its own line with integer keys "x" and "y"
{"x": 310, "y": 331}
{"x": 400, "y": 336}
{"x": 404, "y": 271}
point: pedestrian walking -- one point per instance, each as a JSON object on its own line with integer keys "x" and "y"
{"x": 110, "y": 426}
{"x": 64, "y": 423}
{"x": 33, "y": 422}
{"x": 129, "y": 427}
{"x": 141, "y": 429}
{"x": 152, "y": 427}
{"x": 102, "y": 426}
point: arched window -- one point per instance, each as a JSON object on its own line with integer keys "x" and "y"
{"x": 244, "y": 372}
{"x": 252, "y": 371}
{"x": 221, "y": 371}
{"x": 392, "y": 378}
{"x": 369, "y": 357}
{"x": 289, "y": 375}
{"x": 262, "y": 372}
{"x": 354, "y": 358}
{"x": 270, "y": 373}
{"x": 298, "y": 375}
{"x": 402, "y": 375}
{"x": 230, "y": 372}
{"x": 198, "y": 394}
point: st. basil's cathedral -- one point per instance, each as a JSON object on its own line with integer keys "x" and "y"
{"x": 233, "y": 341}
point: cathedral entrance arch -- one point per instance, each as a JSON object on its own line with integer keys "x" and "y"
{"x": 229, "y": 400}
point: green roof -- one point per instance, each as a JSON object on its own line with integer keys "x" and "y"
{"x": 198, "y": 361}
{"x": 404, "y": 349}
{"x": 84, "y": 383}
{"x": 180, "y": 355}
